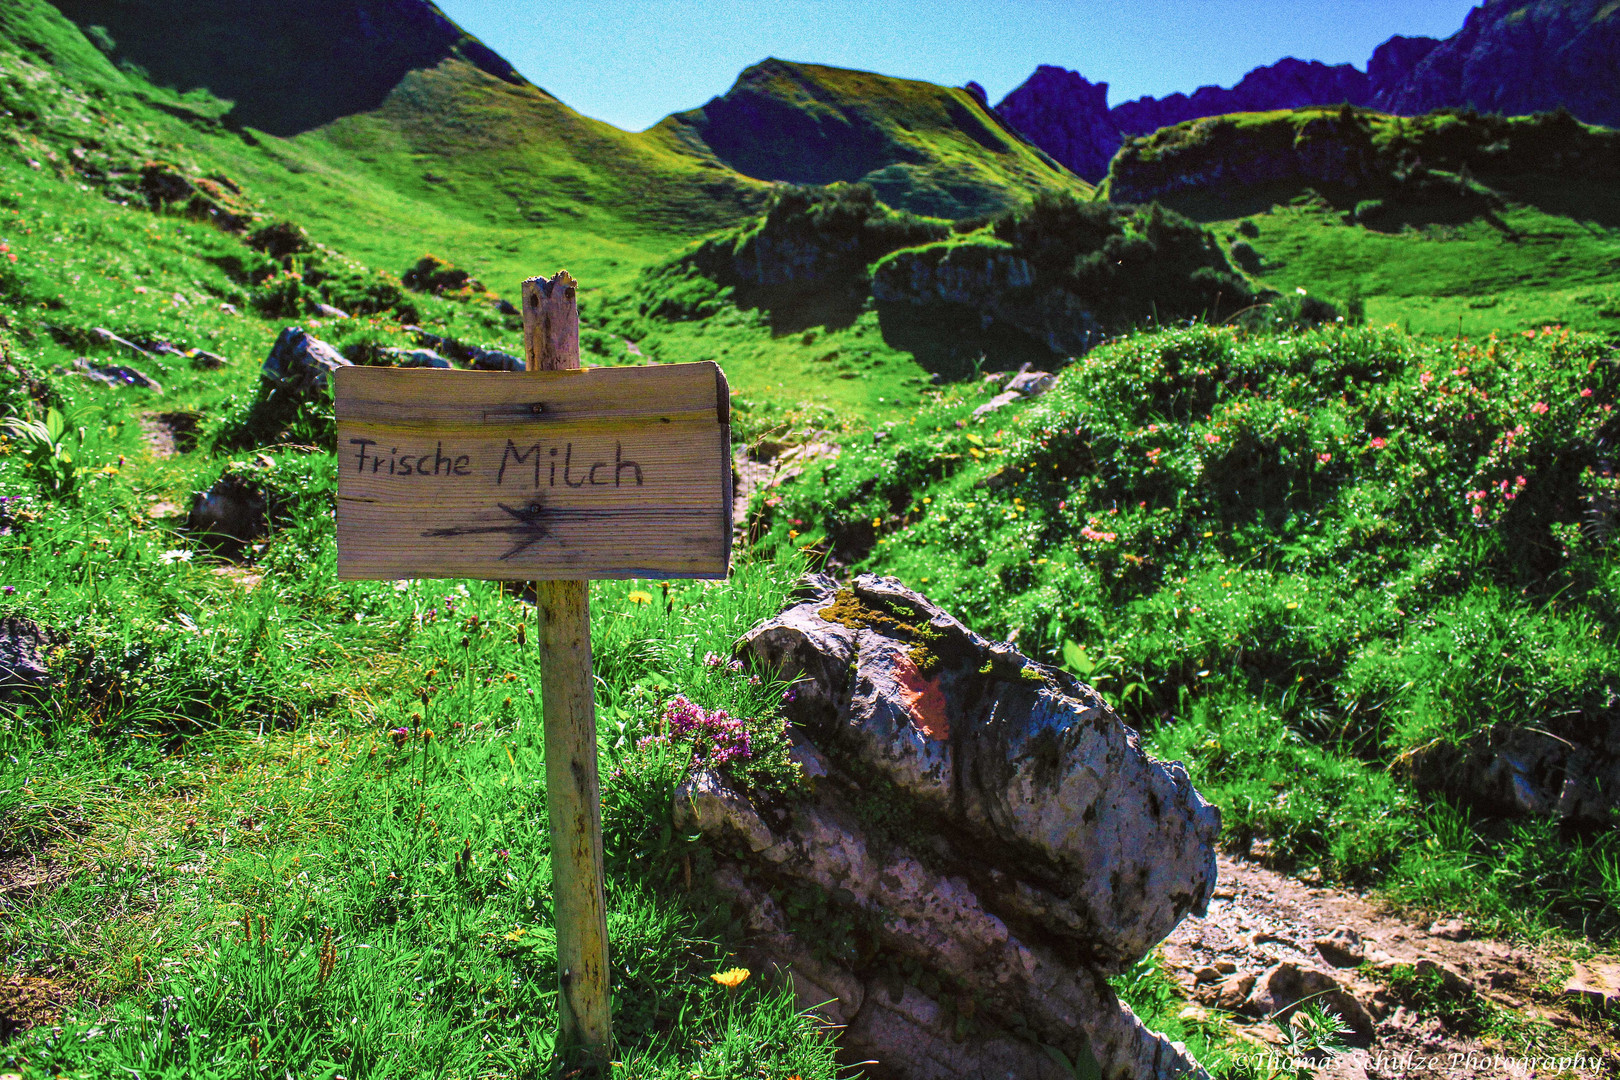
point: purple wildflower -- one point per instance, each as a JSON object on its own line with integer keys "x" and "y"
{"x": 717, "y": 737}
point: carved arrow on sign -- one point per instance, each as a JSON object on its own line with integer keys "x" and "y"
{"x": 526, "y": 528}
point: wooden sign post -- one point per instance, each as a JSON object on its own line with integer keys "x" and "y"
{"x": 555, "y": 475}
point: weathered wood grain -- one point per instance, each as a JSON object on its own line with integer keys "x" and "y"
{"x": 568, "y": 699}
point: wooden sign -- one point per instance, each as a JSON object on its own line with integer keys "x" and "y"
{"x": 557, "y": 475}
{"x": 554, "y": 475}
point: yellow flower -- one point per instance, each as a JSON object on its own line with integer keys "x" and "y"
{"x": 793, "y": 534}
{"x": 639, "y": 597}
{"x": 731, "y": 979}
{"x": 513, "y": 935}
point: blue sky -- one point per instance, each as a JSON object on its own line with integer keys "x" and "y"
{"x": 631, "y": 62}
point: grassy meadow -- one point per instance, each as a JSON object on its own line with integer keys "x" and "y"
{"x": 293, "y": 826}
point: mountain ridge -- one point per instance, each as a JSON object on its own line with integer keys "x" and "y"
{"x": 1509, "y": 57}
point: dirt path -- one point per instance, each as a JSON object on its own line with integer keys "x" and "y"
{"x": 28, "y": 1000}
{"x": 1500, "y": 998}
{"x": 168, "y": 434}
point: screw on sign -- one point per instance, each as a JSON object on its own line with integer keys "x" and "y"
{"x": 554, "y": 475}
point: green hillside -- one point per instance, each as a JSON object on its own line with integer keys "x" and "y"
{"x": 922, "y": 147}
{"x": 1451, "y": 220}
{"x": 287, "y": 67}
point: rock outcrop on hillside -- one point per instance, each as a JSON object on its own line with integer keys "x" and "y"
{"x": 997, "y": 284}
{"x": 1217, "y": 152}
{"x": 1361, "y": 154}
{"x": 1513, "y": 57}
{"x": 1066, "y": 116}
{"x": 991, "y": 829}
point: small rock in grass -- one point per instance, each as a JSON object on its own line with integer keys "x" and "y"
{"x": 203, "y": 360}
{"x": 1282, "y": 989}
{"x": 1594, "y": 986}
{"x": 1450, "y": 929}
{"x": 23, "y": 666}
{"x": 414, "y": 358}
{"x": 1001, "y": 400}
{"x": 1342, "y": 948}
{"x": 327, "y": 311}
{"x": 231, "y": 513}
{"x": 1235, "y": 991}
{"x": 1452, "y": 981}
{"x": 116, "y": 375}
{"x": 299, "y": 362}
{"x": 1032, "y": 383}
{"x": 494, "y": 360}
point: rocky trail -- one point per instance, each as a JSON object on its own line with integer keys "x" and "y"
{"x": 1270, "y": 940}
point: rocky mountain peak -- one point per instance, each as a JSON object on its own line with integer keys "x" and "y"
{"x": 1514, "y": 58}
{"x": 1067, "y": 116}
{"x": 1394, "y": 60}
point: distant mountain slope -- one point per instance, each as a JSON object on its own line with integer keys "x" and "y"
{"x": 925, "y": 148}
{"x": 289, "y": 65}
{"x": 1513, "y": 58}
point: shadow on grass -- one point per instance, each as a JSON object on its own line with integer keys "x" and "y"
{"x": 955, "y": 342}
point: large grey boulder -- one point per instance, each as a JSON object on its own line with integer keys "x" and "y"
{"x": 300, "y": 362}
{"x": 990, "y": 820}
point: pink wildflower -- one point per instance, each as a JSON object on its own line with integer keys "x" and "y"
{"x": 1587, "y": 392}
{"x": 1378, "y": 444}
{"x": 1539, "y": 408}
